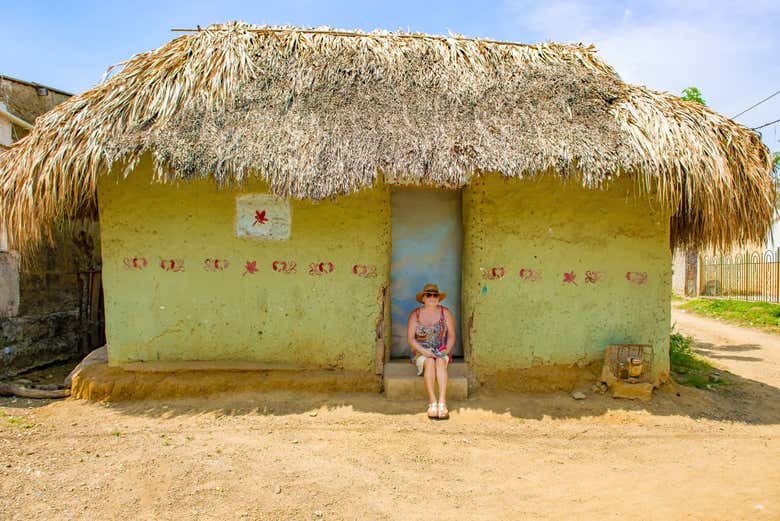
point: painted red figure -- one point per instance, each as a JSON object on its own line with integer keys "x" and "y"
{"x": 637, "y": 277}
{"x": 260, "y": 217}
{"x": 322, "y": 268}
{"x": 136, "y": 263}
{"x": 569, "y": 278}
{"x": 284, "y": 267}
{"x": 172, "y": 264}
{"x": 529, "y": 274}
{"x": 592, "y": 277}
{"x": 251, "y": 267}
{"x": 364, "y": 270}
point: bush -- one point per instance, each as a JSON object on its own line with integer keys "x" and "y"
{"x": 685, "y": 362}
{"x": 680, "y": 353}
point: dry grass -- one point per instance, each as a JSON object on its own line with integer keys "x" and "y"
{"x": 323, "y": 113}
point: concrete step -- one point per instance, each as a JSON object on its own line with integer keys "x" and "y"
{"x": 402, "y": 382}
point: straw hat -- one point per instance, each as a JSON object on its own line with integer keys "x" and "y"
{"x": 430, "y": 288}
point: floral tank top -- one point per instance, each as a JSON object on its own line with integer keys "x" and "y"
{"x": 431, "y": 337}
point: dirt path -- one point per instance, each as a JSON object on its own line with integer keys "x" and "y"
{"x": 699, "y": 455}
{"x": 281, "y": 456}
{"x": 747, "y": 352}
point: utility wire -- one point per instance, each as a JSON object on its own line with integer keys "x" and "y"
{"x": 766, "y": 124}
{"x": 757, "y": 104}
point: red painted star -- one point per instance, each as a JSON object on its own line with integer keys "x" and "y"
{"x": 260, "y": 217}
{"x": 251, "y": 267}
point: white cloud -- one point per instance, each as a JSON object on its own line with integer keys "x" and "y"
{"x": 728, "y": 50}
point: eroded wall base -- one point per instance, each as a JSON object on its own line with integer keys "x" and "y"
{"x": 100, "y": 382}
{"x": 544, "y": 378}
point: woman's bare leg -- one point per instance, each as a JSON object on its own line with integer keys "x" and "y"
{"x": 429, "y": 372}
{"x": 442, "y": 376}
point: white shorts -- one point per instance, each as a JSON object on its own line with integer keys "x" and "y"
{"x": 419, "y": 361}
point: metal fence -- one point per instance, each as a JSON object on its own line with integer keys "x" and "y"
{"x": 743, "y": 276}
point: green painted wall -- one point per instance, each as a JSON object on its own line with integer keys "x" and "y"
{"x": 299, "y": 319}
{"x": 331, "y": 320}
{"x": 540, "y": 225}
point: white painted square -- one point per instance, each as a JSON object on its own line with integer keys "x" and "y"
{"x": 263, "y": 216}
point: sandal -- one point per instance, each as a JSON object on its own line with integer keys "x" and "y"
{"x": 433, "y": 411}
{"x": 443, "y": 412}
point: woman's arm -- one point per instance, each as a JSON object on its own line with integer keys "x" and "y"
{"x": 451, "y": 336}
{"x": 411, "y": 325}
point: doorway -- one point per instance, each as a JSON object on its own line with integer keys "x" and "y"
{"x": 427, "y": 247}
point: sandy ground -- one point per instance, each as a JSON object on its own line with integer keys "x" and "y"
{"x": 703, "y": 455}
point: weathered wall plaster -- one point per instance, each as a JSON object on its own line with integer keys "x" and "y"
{"x": 22, "y": 100}
{"x": 596, "y": 270}
{"x": 6, "y": 128}
{"x": 678, "y": 272}
{"x": 298, "y": 302}
{"x": 9, "y": 284}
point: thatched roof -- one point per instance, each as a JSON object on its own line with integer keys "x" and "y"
{"x": 318, "y": 113}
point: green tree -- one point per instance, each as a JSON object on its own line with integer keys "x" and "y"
{"x": 693, "y": 94}
{"x": 776, "y": 162}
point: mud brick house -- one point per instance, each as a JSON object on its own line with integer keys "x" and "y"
{"x": 44, "y": 297}
{"x": 272, "y": 198}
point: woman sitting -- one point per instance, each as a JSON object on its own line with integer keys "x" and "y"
{"x": 431, "y": 336}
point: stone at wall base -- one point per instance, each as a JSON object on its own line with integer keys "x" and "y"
{"x": 97, "y": 356}
{"x": 632, "y": 391}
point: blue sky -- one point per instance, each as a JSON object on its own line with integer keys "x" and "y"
{"x": 727, "y": 49}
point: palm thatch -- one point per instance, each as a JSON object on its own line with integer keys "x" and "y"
{"x": 319, "y": 113}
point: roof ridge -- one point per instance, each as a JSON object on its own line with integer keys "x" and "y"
{"x": 258, "y": 28}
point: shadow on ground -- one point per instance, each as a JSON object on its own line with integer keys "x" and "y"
{"x": 726, "y": 352}
{"x": 738, "y": 400}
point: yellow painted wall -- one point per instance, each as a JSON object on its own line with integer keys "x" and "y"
{"x": 331, "y": 320}
{"x": 540, "y": 225}
{"x": 270, "y": 317}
